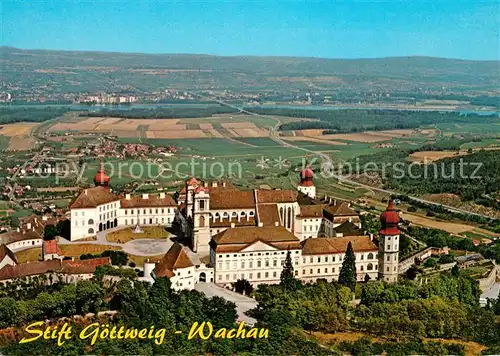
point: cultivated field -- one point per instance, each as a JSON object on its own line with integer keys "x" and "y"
{"x": 367, "y": 136}
{"x": 313, "y": 139}
{"x": 19, "y": 135}
{"x": 451, "y": 227}
{"x": 431, "y": 156}
{"x": 29, "y": 255}
{"x": 167, "y": 128}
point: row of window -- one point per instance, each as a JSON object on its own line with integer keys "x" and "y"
{"x": 244, "y": 264}
{"x": 144, "y": 211}
{"x": 311, "y": 228}
{"x": 259, "y": 275}
{"x": 108, "y": 207}
{"x": 369, "y": 267}
{"x": 108, "y": 215}
{"x": 259, "y": 254}
{"x": 233, "y": 214}
{"x": 327, "y": 259}
{"x": 148, "y": 221}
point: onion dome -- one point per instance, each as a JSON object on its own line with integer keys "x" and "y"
{"x": 101, "y": 178}
{"x": 200, "y": 189}
{"x": 306, "y": 177}
{"x": 389, "y": 220}
{"x": 192, "y": 181}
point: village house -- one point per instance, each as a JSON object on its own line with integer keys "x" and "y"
{"x": 53, "y": 271}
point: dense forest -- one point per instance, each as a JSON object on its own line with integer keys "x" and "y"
{"x": 440, "y": 238}
{"x": 334, "y": 121}
{"x": 399, "y": 315}
{"x": 472, "y": 176}
{"x": 12, "y": 114}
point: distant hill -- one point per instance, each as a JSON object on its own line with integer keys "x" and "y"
{"x": 75, "y": 71}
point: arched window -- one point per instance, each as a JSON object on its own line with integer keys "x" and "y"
{"x": 281, "y": 215}
{"x": 243, "y": 213}
{"x": 370, "y": 256}
{"x": 234, "y": 213}
{"x": 202, "y": 221}
{"x": 91, "y": 231}
{"x": 369, "y": 267}
{"x": 250, "y": 213}
{"x": 226, "y": 215}
{"x": 91, "y": 221}
{"x": 289, "y": 218}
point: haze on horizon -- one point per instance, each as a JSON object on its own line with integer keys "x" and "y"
{"x": 333, "y": 29}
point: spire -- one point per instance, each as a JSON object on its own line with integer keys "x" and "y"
{"x": 101, "y": 178}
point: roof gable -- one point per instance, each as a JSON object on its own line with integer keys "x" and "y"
{"x": 175, "y": 258}
{"x": 259, "y": 246}
{"x": 93, "y": 197}
{"x": 6, "y": 252}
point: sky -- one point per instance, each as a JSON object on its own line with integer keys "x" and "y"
{"x": 465, "y": 29}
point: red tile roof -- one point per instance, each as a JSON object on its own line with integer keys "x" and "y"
{"x": 231, "y": 199}
{"x": 84, "y": 266}
{"x": 56, "y": 266}
{"x": 236, "y": 239}
{"x": 276, "y": 196}
{"x": 151, "y": 201}
{"x": 5, "y": 251}
{"x": 51, "y": 247}
{"x": 93, "y": 197}
{"x": 10, "y": 237}
{"x": 268, "y": 214}
{"x": 29, "y": 269}
{"x": 332, "y": 245}
{"x": 175, "y": 258}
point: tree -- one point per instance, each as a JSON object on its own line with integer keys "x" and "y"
{"x": 63, "y": 228}
{"x": 287, "y": 278}
{"x": 242, "y": 286}
{"x": 50, "y": 232}
{"x": 455, "y": 271}
{"x": 347, "y": 275}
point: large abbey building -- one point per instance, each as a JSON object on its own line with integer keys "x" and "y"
{"x": 247, "y": 234}
{"x": 235, "y": 234}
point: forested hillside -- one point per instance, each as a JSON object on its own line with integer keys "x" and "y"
{"x": 77, "y": 71}
{"x": 334, "y": 121}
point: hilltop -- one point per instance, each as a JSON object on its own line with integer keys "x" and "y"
{"x": 79, "y": 71}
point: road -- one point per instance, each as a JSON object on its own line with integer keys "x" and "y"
{"x": 243, "y": 303}
{"x": 328, "y": 164}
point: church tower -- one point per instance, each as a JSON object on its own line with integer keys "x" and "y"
{"x": 201, "y": 220}
{"x": 101, "y": 178}
{"x": 388, "y": 263}
{"x": 306, "y": 184}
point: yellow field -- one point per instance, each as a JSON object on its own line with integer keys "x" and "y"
{"x": 19, "y": 134}
{"x": 29, "y": 255}
{"x": 367, "y": 136}
{"x": 448, "y": 226}
{"x": 313, "y": 139}
{"x": 167, "y": 128}
{"x": 431, "y": 156}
